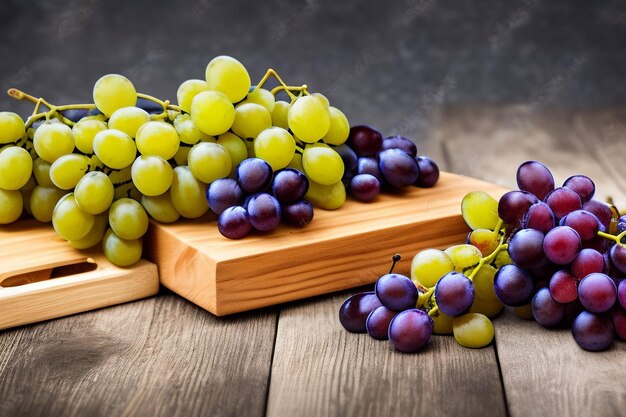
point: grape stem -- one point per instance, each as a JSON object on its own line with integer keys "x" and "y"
{"x": 165, "y": 104}
{"x": 282, "y": 87}
{"x": 52, "y": 109}
{"x": 394, "y": 261}
{"x": 487, "y": 260}
{"x": 617, "y": 239}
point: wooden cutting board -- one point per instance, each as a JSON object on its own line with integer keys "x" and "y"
{"x": 339, "y": 249}
{"x": 42, "y": 277}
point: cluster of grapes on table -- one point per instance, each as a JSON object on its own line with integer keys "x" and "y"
{"x": 99, "y": 171}
{"x": 553, "y": 254}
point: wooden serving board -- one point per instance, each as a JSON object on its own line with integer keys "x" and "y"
{"x": 42, "y": 277}
{"x": 339, "y": 249}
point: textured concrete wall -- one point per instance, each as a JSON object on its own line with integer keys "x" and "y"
{"x": 388, "y": 63}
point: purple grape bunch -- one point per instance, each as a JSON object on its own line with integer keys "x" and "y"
{"x": 371, "y": 163}
{"x": 566, "y": 265}
{"x": 259, "y": 199}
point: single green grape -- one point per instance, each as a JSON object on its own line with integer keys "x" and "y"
{"x": 69, "y": 220}
{"x": 159, "y": 139}
{"x": 276, "y": 146}
{"x": 483, "y": 283}
{"x": 263, "y": 97}
{"x": 160, "y": 208}
{"x": 339, "y": 128}
{"x": 309, "y": 119}
{"x": 128, "y": 219}
{"x": 429, "y": 265}
{"x": 209, "y": 162}
{"x": 41, "y": 172}
{"x": 129, "y": 120}
{"x": 85, "y": 131}
{"x": 473, "y": 330}
{"x": 235, "y": 147}
{"x": 188, "y": 193}
{"x": 94, "y": 236}
{"x": 463, "y": 256}
{"x": 121, "y": 252}
{"x": 187, "y": 130}
{"x": 327, "y": 197}
{"x": 212, "y": 112}
{"x": 66, "y": 171}
{"x": 485, "y": 240}
{"x": 11, "y": 205}
{"x": 112, "y": 92}
{"x": 94, "y": 192}
{"x": 250, "y": 120}
{"x": 489, "y": 308}
{"x": 187, "y": 91}
{"x": 227, "y": 75}
{"x": 480, "y": 210}
{"x": 322, "y": 164}
{"x": 53, "y": 140}
{"x": 280, "y": 114}
{"x": 152, "y": 175}
{"x": 43, "y": 200}
{"x": 16, "y": 167}
{"x": 442, "y": 323}
{"x": 114, "y": 148}
{"x": 11, "y": 127}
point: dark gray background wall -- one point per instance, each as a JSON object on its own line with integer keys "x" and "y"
{"x": 387, "y": 63}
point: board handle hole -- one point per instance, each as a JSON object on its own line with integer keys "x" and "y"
{"x": 31, "y": 277}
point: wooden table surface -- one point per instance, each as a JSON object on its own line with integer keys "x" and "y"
{"x": 165, "y": 357}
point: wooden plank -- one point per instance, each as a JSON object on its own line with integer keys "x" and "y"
{"x": 227, "y": 276}
{"x": 544, "y": 372}
{"x": 29, "y": 295}
{"x": 320, "y": 369}
{"x": 157, "y": 357}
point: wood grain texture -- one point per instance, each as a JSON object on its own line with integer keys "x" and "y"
{"x": 320, "y": 369}
{"x": 161, "y": 356}
{"x": 545, "y": 373}
{"x": 227, "y": 276}
{"x": 30, "y": 252}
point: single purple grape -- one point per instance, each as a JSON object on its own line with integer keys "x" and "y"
{"x": 593, "y": 332}
{"x": 564, "y": 287}
{"x": 298, "y": 214}
{"x": 234, "y": 223}
{"x": 349, "y": 158}
{"x": 377, "y": 323}
{"x": 429, "y": 172}
{"x": 597, "y": 292}
{"x": 454, "y": 293}
{"x": 411, "y": 330}
{"x": 601, "y": 210}
{"x": 513, "y": 206}
{"x": 563, "y": 201}
{"x": 365, "y": 141}
{"x": 618, "y": 257}
{"x": 561, "y": 245}
{"x": 402, "y": 143}
{"x": 223, "y": 193}
{"x": 369, "y": 166}
{"x": 364, "y": 187}
{"x": 396, "y": 291}
{"x": 264, "y": 211}
{"x": 354, "y": 311}
{"x": 397, "y": 168}
{"x": 584, "y": 222}
{"x": 253, "y": 175}
{"x": 289, "y": 185}
{"x": 536, "y": 178}
{"x": 513, "y": 285}
{"x": 587, "y": 262}
{"x": 526, "y": 248}
{"x": 539, "y": 217}
{"x": 582, "y": 185}
{"x": 546, "y": 311}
